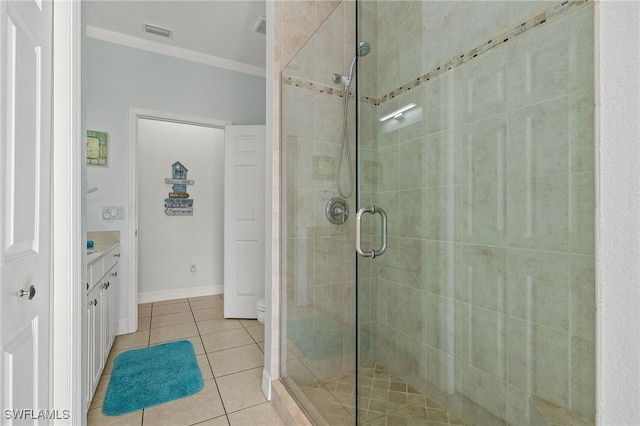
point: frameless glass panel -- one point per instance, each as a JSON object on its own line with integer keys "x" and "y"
{"x": 482, "y": 309}
{"x": 318, "y": 350}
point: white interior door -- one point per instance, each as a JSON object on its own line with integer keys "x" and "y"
{"x": 25, "y": 129}
{"x": 244, "y": 220}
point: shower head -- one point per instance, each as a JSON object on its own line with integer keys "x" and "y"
{"x": 363, "y": 50}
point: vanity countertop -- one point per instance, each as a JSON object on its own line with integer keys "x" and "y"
{"x": 103, "y": 241}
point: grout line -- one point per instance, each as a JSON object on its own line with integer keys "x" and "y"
{"x": 250, "y": 406}
{"x": 239, "y": 371}
{"x": 213, "y": 376}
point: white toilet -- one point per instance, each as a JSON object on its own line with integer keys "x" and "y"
{"x": 260, "y": 310}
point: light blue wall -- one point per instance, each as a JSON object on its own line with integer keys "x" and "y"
{"x": 119, "y": 77}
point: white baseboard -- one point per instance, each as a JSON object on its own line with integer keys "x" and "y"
{"x": 266, "y": 385}
{"x": 158, "y": 296}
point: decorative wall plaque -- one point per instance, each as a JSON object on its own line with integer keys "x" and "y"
{"x": 178, "y": 203}
{"x": 97, "y": 148}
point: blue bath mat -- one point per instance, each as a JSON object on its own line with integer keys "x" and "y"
{"x": 146, "y": 377}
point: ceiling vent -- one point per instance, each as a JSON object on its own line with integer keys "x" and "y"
{"x": 261, "y": 25}
{"x": 164, "y": 32}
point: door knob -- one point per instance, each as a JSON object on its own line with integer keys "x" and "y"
{"x": 31, "y": 292}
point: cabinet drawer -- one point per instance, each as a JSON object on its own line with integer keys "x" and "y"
{"x": 111, "y": 258}
{"x": 95, "y": 273}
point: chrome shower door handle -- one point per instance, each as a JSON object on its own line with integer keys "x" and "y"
{"x": 359, "y": 214}
{"x": 371, "y": 253}
{"x": 383, "y": 214}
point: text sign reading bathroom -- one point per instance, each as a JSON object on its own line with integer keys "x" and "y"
{"x": 178, "y": 203}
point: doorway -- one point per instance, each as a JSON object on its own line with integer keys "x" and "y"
{"x": 180, "y": 225}
{"x": 169, "y": 259}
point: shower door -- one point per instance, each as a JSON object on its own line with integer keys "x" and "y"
{"x": 451, "y": 142}
{"x": 475, "y": 137}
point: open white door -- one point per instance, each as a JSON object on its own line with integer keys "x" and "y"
{"x": 244, "y": 220}
{"x": 25, "y": 224}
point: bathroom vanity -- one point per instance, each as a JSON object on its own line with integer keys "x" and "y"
{"x": 102, "y": 303}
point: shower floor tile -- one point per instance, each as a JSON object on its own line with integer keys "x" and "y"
{"x": 384, "y": 400}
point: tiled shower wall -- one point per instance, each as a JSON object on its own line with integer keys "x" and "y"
{"x": 317, "y": 256}
{"x": 486, "y": 295}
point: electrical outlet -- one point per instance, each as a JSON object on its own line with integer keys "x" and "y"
{"x": 193, "y": 267}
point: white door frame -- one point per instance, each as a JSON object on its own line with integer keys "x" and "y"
{"x": 68, "y": 234}
{"x": 134, "y": 115}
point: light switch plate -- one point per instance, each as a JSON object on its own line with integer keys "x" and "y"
{"x": 112, "y": 212}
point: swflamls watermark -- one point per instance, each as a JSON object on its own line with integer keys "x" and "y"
{"x": 32, "y": 414}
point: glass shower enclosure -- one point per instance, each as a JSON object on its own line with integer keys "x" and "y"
{"x": 469, "y": 126}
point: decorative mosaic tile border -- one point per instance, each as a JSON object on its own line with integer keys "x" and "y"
{"x": 314, "y": 86}
{"x": 552, "y": 14}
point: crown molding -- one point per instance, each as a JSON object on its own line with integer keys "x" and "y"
{"x": 173, "y": 51}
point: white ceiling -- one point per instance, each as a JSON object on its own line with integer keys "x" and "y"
{"x": 222, "y": 29}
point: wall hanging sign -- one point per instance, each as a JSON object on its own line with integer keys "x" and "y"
{"x": 97, "y": 148}
{"x": 178, "y": 203}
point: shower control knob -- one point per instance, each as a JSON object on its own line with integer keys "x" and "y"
{"x": 337, "y": 211}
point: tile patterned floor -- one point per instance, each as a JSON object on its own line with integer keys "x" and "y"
{"x": 230, "y": 354}
{"x": 384, "y": 400}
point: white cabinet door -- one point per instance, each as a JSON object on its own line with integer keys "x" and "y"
{"x": 110, "y": 313}
{"x": 244, "y": 219}
{"x": 113, "y": 291}
{"x": 90, "y": 347}
{"x": 25, "y": 194}
{"x": 114, "y": 312}
{"x": 95, "y": 301}
{"x": 102, "y": 315}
